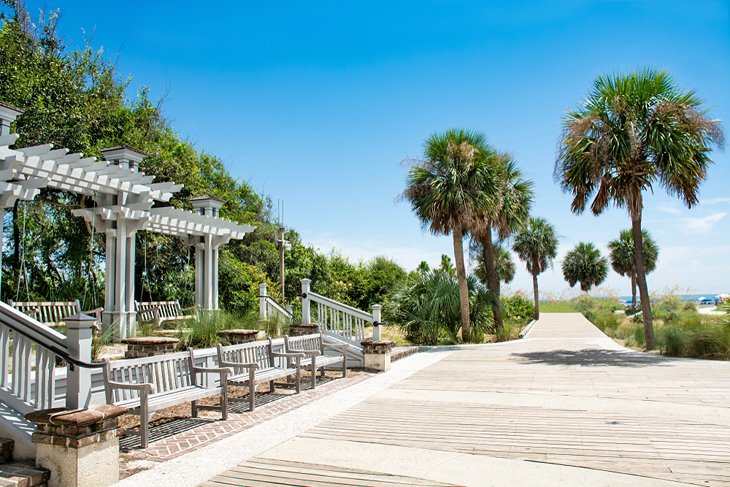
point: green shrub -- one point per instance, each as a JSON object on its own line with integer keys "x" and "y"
{"x": 517, "y": 309}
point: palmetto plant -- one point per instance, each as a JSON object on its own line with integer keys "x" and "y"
{"x": 504, "y": 265}
{"x": 585, "y": 265}
{"x": 537, "y": 245}
{"x": 623, "y": 260}
{"x": 632, "y": 132}
{"x": 447, "y": 190}
{"x": 506, "y": 212}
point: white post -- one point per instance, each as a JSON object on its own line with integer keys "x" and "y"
{"x": 376, "y": 322}
{"x": 111, "y": 257}
{"x": 208, "y": 273}
{"x": 214, "y": 271}
{"x": 78, "y": 338}
{"x": 131, "y": 255}
{"x": 306, "y": 314}
{"x": 120, "y": 281}
{"x": 199, "y": 270}
{"x": 263, "y": 311}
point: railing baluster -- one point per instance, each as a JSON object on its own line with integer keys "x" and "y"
{"x": 4, "y": 355}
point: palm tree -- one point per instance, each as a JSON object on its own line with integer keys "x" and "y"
{"x": 632, "y": 132}
{"x": 503, "y": 263}
{"x": 537, "y": 245}
{"x": 623, "y": 261}
{"x": 506, "y": 212}
{"x": 447, "y": 189}
{"x": 586, "y": 265}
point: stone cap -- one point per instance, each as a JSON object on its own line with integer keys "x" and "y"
{"x": 380, "y": 343}
{"x": 149, "y": 340}
{"x": 76, "y": 417}
{"x": 10, "y": 108}
{"x": 307, "y": 325}
{"x": 123, "y": 151}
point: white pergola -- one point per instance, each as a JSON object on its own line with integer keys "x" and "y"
{"x": 124, "y": 200}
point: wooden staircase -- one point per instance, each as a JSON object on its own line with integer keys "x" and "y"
{"x": 19, "y": 474}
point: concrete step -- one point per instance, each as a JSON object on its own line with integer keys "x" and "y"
{"x": 23, "y": 474}
{"x": 6, "y": 450}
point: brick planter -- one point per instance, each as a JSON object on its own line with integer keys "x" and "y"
{"x": 237, "y": 336}
{"x": 139, "y": 347}
{"x": 78, "y": 447}
{"x": 300, "y": 329}
{"x": 377, "y": 354}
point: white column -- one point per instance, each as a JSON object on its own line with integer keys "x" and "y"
{"x": 109, "y": 280}
{"x": 214, "y": 270}
{"x": 306, "y": 314}
{"x": 263, "y": 310}
{"x": 376, "y": 322}
{"x": 208, "y": 273}
{"x": 78, "y": 388}
{"x": 130, "y": 274}
{"x": 199, "y": 271}
{"x": 120, "y": 281}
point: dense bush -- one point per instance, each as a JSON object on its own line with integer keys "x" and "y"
{"x": 517, "y": 310}
{"x": 426, "y": 307}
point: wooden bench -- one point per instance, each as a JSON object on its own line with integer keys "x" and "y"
{"x": 313, "y": 347}
{"x": 53, "y": 313}
{"x": 145, "y": 385}
{"x": 255, "y": 363}
{"x": 161, "y": 311}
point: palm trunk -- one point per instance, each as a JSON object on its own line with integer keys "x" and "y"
{"x": 490, "y": 267}
{"x": 537, "y": 294}
{"x": 458, "y": 236}
{"x": 633, "y": 290}
{"x": 641, "y": 278}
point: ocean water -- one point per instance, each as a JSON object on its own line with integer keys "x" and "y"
{"x": 682, "y": 297}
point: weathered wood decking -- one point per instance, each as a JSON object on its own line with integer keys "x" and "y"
{"x": 564, "y": 396}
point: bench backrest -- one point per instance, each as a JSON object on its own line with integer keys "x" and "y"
{"x": 167, "y": 372}
{"x": 259, "y": 352}
{"x": 304, "y": 342}
{"x": 150, "y": 310}
{"x": 47, "y": 312}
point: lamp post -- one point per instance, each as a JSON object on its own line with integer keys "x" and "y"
{"x": 282, "y": 245}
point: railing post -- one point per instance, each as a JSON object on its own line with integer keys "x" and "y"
{"x": 78, "y": 379}
{"x": 263, "y": 309}
{"x": 376, "y": 322}
{"x": 306, "y": 314}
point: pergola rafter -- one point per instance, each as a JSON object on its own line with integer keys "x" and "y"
{"x": 124, "y": 203}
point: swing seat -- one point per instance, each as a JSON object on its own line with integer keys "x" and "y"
{"x": 160, "y": 311}
{"x": 53, "y": 313}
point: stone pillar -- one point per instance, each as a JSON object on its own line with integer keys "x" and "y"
{"x": 79, "y": 336}
{"x": 306, "y": 312}
{"x": 263, "y": 309}
{"x": 377, "y": 354}
{"x": 296, "y": 330}
{"x": 138, "y": 347}
{"x": 376, "y": 322}
{"x": 237, "y": 336}
{"x": 80, "y": 448}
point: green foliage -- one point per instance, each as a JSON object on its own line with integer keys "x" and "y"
{"x": 503, "y": 260}
{"x": 517, "y": 309}
{"x": 426, "y": 307}
{"x": 585, "y": 265}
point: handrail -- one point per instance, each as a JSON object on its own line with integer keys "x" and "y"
{"x": 277, "y": 305}
{"x": 43, "y": 335}
{"x": 341, "y": 306}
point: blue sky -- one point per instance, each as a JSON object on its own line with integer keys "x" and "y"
{"x": 319, "y": 104}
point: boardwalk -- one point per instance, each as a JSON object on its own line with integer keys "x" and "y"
{"x": 564, "y": 406}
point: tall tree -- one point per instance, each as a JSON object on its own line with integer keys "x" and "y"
{"x": 632, "y": 132}
{"x": 446, "y": 191}
{"x": 623, "y": 261}
{"x": 506, "y": 212}
{"x": 585, "y": 265}
{"x": 503, "y": 262}
{"x": 537, "y": 245}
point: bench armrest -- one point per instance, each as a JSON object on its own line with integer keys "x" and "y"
{"x": 194, "y": 307}
{"x": 248, "y": 365}
{"x": 95, "y": 312}
{"x": 148, "y": 387}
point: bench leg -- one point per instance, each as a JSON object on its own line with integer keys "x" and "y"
{"x": 252, "y": 397}
{"x": 299, "y": 380}
{"x": 314, "y": 371}
{"x": 144, "y": 429}
{"x": 272, "y": 387}
{"x": 224, "y": 402}
{"x": 194, "y": 408}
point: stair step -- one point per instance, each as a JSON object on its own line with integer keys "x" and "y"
{"x": 21, "y": 474}
{"x": 6, "y": 450}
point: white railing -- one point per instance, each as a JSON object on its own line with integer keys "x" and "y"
{"x": 28, "y": 354}
{"x": 269, "y": 308}
{"x": 27, "y": 367}
{"x": 339, "y": 318}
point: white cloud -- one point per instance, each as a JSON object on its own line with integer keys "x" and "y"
{"x": 672, "y": 210}
{"x": 364, "y": 250}
{"x": 702, "y": 226}
{"x": 715, "y": 201}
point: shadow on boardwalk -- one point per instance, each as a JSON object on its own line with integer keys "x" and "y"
{"x": 593, "y": 357}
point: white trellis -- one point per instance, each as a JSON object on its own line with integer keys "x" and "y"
{"x": 124, "y": 203}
